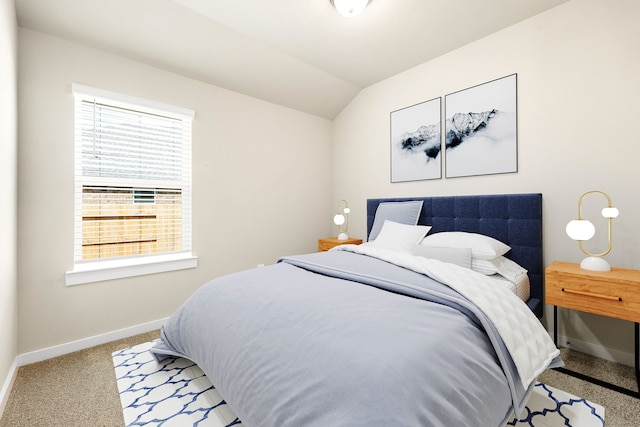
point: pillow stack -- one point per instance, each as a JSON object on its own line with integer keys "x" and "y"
{"x": 486, "y": 252}
{"x": 394, "y": 228}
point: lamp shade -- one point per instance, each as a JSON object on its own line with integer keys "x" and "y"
{"x": 338, "y": 219}
{"x": 580, "y": 229}
{"x": 350, "y": 8}
{"x": 610, "y": 212}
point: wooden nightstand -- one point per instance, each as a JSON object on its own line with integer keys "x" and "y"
{"x": 329, "y": 242}
{"x": 615, "y": 293}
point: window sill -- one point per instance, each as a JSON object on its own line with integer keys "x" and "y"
{"x": 117, "y": 269}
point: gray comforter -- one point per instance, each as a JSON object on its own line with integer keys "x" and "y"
{"x": 338, "y": 339}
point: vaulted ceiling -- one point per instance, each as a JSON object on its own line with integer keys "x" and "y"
{"x": 297, "y": 53}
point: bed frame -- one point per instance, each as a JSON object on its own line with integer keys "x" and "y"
{"x": 515, "y": 219}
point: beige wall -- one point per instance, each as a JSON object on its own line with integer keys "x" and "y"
{"x": 266, "y": 178}
{"x": 578, "y": 91}
{"x": 8, "y": 193}
{"x": 260, "y": 189}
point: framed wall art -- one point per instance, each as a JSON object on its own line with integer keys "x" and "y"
{"x": 416, "y": 143}
{"x": 481, "y": 129}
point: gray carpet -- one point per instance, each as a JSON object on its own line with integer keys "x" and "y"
{"x": 620, "y": 410}
{"x": 79, "y": 389}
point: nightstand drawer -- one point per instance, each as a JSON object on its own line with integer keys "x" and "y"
{"x": 608, "y": 294}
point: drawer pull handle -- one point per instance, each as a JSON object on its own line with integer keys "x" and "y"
{"x": 591, "y": 294}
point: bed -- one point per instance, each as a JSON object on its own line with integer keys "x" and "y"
{"x": 400, "y": 330}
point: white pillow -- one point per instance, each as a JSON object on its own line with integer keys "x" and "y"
{"x": 458, "y": 256}
{"x": 487, "y": 267}
{"x": 500, "y": 265}
{"x": 402, "y": 212}
{"x": 399, "y": 237}
{"x": 482, "y": 247}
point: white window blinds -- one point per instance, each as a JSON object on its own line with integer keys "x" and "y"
{"x": 132, "y": 176}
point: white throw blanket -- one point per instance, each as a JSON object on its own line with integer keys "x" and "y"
{"x": 532, "y": 352}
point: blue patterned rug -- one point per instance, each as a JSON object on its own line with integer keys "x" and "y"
{"x": 177, "y": 393}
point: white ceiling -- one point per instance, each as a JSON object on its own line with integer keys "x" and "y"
{"x": 298, "y": 53}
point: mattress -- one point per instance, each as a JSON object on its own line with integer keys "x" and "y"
{"x": 522, "y": 287}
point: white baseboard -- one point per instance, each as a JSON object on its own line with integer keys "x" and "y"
{"x": 8, "y": 384}
{"x": 597, "y": 350}
{"x": 59, "y": 350}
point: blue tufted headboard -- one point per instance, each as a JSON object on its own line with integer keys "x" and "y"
{"x": 515, "y": 219}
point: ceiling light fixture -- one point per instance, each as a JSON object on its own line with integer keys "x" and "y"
{"x": 349, "y": 8}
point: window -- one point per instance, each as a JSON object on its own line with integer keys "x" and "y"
{"x": 132, "y": 186}
{"x": 144, "y": 196}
